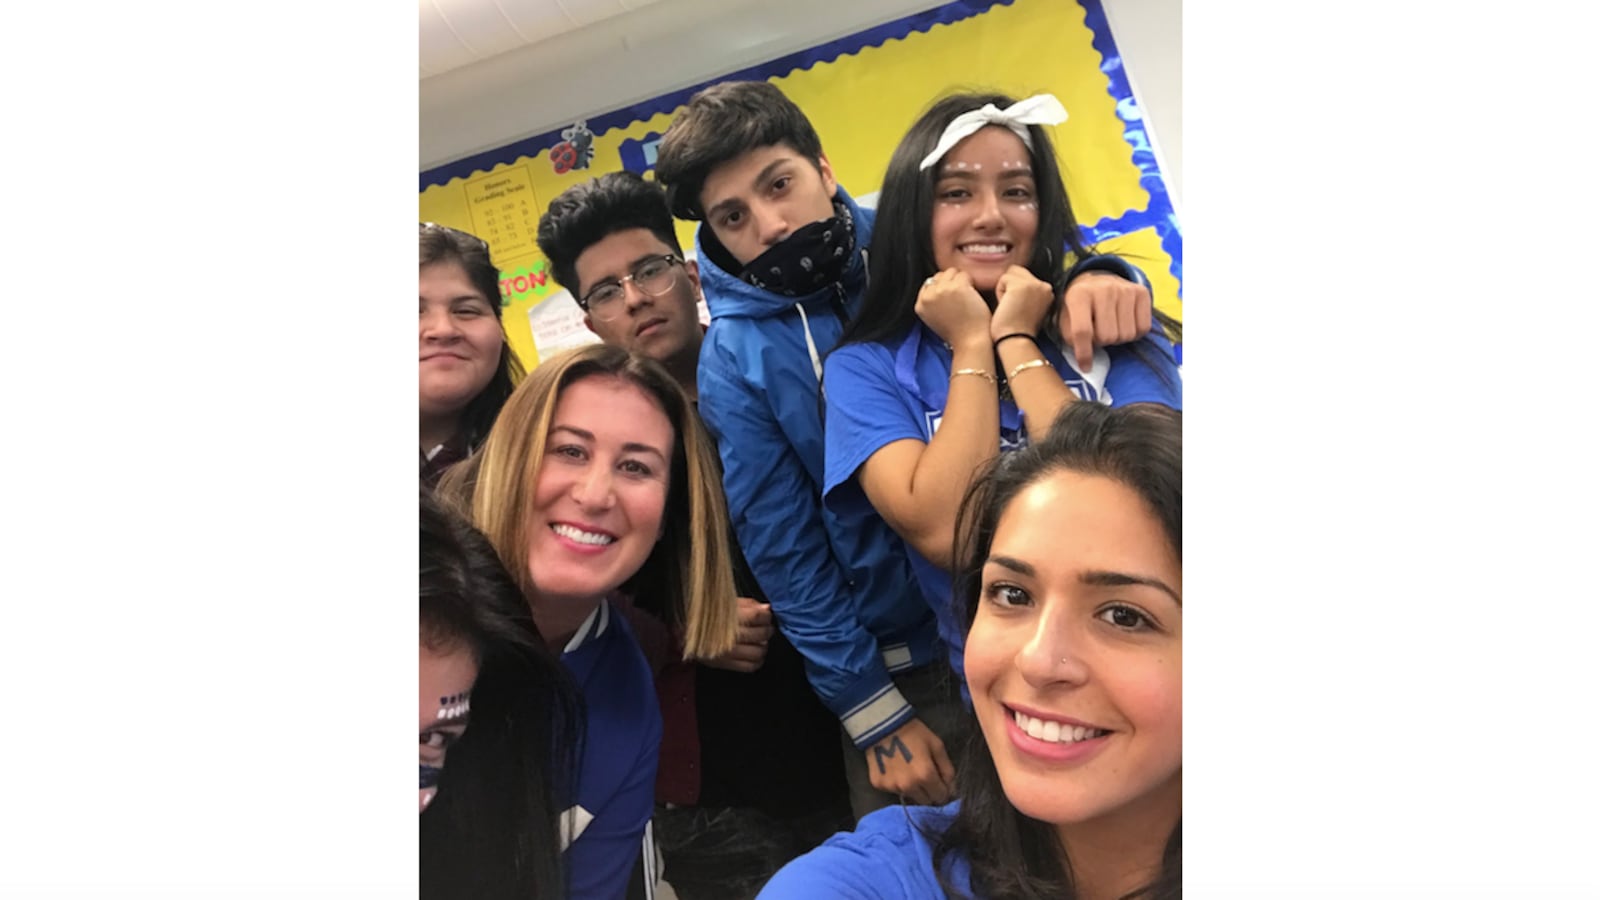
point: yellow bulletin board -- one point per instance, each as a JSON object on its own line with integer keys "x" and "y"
{"x": 861, "y": 92}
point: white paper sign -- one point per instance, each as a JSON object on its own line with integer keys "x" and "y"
{"x": 557, "y": 325}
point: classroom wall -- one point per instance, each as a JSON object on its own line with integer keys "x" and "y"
{"x": 670, "y": 45}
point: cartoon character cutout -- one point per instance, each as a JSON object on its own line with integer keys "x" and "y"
{"x": 576, "y": 151}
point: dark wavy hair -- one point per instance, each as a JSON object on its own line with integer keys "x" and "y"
{"x": 1012, "y": 856}
{"x": 492, "y": 831}
{"x": 720, "y": 123}
{"x": 901, "y": 253}
{"x": 447, "y": 245}
{"x": 590, "y": 211}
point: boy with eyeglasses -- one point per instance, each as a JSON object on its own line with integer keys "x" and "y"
{"x": 782, "y": 254}
{"x": 622, "y": 264}
{"x": 750, "y": 775}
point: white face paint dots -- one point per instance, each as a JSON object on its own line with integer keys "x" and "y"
{"x": 986, "y": 212}
{"x": 446, "y": 676}
{"x": 456, "y": 706}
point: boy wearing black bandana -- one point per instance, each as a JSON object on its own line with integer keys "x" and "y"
{"x": 782, "y": 260}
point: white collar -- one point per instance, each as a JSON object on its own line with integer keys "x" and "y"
{"x": 592, "y": 627}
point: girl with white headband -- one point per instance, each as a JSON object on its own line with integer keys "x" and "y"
{"x": 955, "y": 356}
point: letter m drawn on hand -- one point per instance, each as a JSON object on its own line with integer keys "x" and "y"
{"x": 879, "y": 753}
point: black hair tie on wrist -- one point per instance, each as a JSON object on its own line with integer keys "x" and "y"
{"x": 1006, "y": 337}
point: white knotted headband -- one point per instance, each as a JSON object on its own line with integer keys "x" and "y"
{"x": 1040, "y": 109}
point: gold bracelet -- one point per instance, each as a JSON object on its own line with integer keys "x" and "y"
{"x": 1030, "y": 364}
{"x": 979, "y": 372}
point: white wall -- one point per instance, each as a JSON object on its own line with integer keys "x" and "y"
{"x": 1150, "y": 35}
{"x": 673, "y": 44}
{"x": 661, "y": 47}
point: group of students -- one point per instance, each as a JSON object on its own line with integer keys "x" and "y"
{"x": 901, "y": 526}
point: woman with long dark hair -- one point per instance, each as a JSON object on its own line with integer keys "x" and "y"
{"x": 497, "y": 703}
{"x": 954, "y": 356}
{"x": 466, "y": 369}
{"x": 1070, "y": 574}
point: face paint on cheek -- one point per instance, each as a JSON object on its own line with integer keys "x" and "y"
{"x": 455, "y": 706}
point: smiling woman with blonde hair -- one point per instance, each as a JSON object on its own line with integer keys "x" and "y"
{"x": 597, "y": 488}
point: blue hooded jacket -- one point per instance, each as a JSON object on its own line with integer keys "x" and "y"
{"x": 840, "y": 583}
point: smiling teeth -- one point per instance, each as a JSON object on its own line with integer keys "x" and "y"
{"x": 1055, "y": 732}
{"x": 985, "y": 248}
{"x": 582, "y": 537}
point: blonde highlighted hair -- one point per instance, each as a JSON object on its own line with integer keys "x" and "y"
{"x": 687, "y": 580}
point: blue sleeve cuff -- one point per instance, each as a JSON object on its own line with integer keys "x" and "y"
{"x": 877, "y": 717}
{"x": 1106, "y": 262}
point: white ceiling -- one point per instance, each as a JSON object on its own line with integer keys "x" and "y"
{"x": 456, "y": 33}
{"x": 496, "y": 71}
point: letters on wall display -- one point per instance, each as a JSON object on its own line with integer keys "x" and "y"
{"x": 861, "y": 92}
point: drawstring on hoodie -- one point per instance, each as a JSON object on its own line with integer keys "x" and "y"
{"x": 811, "y": 344}
{"x": 837, "y": 301}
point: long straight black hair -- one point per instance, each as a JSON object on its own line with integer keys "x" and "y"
{"x": 492, "y": 831}
{"x": 1012, "y": 856}
{"x": 901, "y": 254}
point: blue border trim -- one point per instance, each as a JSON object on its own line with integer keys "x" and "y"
{"x": 1159, "y": 213}
{"x": 777, "y": 68}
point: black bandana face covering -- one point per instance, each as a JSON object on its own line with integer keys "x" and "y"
{"x": 807, "y": 260}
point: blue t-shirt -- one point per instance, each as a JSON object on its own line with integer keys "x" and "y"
{"x": 605, "y": 832}
{"x": 888, "y": 857}
{"x": 878, "y": 393}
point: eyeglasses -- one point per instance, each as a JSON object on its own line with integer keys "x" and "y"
{"x": 435, "y": 226}
{"x": 655, "y": 276}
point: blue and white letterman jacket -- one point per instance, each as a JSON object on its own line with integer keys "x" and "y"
{"x": 605, "y": 832}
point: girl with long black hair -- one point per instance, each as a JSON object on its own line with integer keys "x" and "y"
{"x": 955, "y": 356}
{"x": 498, "y": 706}
{"x": 1070, "y": 581}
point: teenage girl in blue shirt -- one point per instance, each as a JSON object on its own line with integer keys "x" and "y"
{"x": 954, "y": 357}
